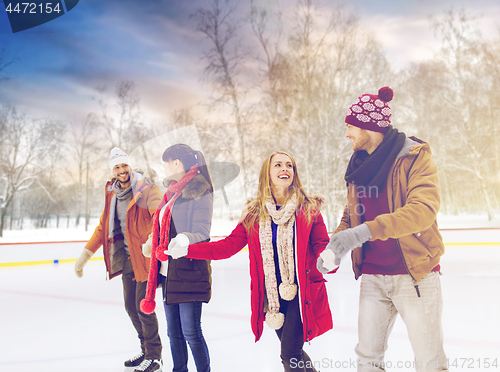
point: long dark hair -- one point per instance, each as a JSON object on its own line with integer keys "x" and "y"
{"x": 188, "y": 157}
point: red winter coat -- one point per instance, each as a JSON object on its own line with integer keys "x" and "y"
{"x": 310, "y": 240}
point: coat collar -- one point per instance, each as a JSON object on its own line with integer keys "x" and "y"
{"x": 196, "y": 188}
{"x": 412, "y": 146}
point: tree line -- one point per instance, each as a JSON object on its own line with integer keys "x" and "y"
{"x": 286, "y": 80}
{"x": 280, "y": 79}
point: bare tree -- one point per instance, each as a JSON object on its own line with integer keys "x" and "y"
{"x": 452, "y": 101}
{"x": 83, "y": 143}
{"x": 48, "y": 182}
{"x": 120, "y": 116}
{"x": 312, "y": 70}
{"x": 267, "y": 27}
{"x": 467, "y": 99}
{"x": 492, "y": 68}
{"x": 25, "y": 145}
{"x": 6, "y": 59}
{"x": 224, "y": 64}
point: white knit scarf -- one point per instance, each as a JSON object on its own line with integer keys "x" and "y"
{"x": 285, "y": 219}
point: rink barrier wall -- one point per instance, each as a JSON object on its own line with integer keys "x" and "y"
{"x": 54, "y": 242}
{"x": 45, "y": 262}
{"x": 68, "y": 260}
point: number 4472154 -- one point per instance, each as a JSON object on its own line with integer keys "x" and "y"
{"x": 33, "y": 8}
{"x": 472, "y": 363}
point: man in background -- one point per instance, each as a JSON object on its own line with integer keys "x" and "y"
{"x": 124, "y": 226}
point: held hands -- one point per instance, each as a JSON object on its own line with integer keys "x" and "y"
{"x": 327, "y": 261}
{"x": 178, "y": 246}
{"x": 340, "y": 244}
{"x": 82, "y": 261}
{"x": 347, "y": 240}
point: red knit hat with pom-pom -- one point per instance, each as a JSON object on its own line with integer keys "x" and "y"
{"x": 372, "y": 112}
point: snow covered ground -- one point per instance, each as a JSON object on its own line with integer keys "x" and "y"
{"x": 50, "y": 320}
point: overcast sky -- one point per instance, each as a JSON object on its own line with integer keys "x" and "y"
{"x": 152, "y": 42}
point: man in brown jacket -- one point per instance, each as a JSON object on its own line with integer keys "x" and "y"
{"x": 390, "y": 225}
{"x": 124, "y": 227}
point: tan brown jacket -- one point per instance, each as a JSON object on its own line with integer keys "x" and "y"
{"x": 140, "y": 215}
{"x": 413, "y": 193}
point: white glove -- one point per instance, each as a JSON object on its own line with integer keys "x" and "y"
{"x": 148, "y": 246}
{"x": 347, "y": 240}
{"x": 178, "y": 246}
{"x": 82, "y": 261}
{"x": 327, "y": 261}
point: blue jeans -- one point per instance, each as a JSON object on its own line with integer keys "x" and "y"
{"x": 184, "y": 327}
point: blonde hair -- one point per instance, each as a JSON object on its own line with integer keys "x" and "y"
{"x": 256, "y": 208}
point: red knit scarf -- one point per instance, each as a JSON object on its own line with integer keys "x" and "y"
{"x": 160, "y": 243}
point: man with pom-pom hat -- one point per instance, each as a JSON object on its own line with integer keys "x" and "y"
{"x": 390, "y": 226}
{"x": 126, "y": 222}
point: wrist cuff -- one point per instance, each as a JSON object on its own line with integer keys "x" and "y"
{"x": 88, "y": 252}
{"x": 365, "y": 232}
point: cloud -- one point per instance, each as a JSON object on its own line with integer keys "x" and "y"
{"x": 154, "y": 44}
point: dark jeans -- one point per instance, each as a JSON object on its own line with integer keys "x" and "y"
{"x": 291, "y": 335}
{"x": 146, "y": 325}
{"x": 184, "y": 327}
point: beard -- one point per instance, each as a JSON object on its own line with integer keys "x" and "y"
{"x": 124, "y": 181}
{"x": 361, "y": 142}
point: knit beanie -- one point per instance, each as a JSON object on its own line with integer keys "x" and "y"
{"x": 117, "y": 156}
{"x": 372, "y": 112}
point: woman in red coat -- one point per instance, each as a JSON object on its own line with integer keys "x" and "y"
{"x": 285, "y": 233}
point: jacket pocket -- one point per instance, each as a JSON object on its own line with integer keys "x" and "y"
{"x": 188, "y": 270}
{"x": 317, "y": 297}
{"x": 430, "y": 241}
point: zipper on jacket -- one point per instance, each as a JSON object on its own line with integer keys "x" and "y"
{"x": 298, "y": 286}
{"x": 415, "y": 285}
{"x": 416, "y": 288}
{"x": 259, "y": 314}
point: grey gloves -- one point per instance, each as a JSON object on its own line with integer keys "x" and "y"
{"x": 82, "y": 261}
{"x": 341, "y": 243}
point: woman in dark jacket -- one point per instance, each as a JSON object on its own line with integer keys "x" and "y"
{"x": 285, "y": 233}
{"x": 186, "y": 209}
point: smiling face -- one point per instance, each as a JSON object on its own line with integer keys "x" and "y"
{"x": 363, "y": 139}
{"x": 281, "y": 174}
{"x": 122, "y": 174}
{"x": 359, "y": 137}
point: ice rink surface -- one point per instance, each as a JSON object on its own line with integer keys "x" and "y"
{"x": 50, "y": 320}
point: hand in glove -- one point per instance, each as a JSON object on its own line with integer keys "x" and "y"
{"x": 347, "y": 240}
{"x": 148, "y": 246}
{"x": 82, "y": 261}
{"x": 178, "y": 246}
{"x": 327, "y": 261}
